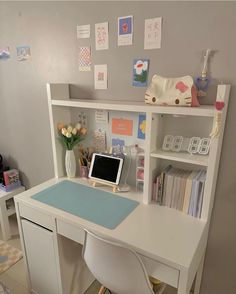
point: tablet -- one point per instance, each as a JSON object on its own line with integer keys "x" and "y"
{"x": 106, "y": 168}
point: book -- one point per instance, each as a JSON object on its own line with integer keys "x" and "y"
{"x": 176, "y": 188}
{"x": 198, "y": 201}
{"x": 154, "y": 185}
{"x": 188, "y": 190}
{"x": 169, "y": 186}
{"x": 162, "y": 181}
{"x": 194, "y": 193}
{"x": 183, "y": 182}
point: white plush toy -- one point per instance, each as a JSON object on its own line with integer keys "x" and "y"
{"x": 172, "y": 91}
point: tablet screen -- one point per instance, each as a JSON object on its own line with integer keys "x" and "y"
{"x": 106, "y": 168}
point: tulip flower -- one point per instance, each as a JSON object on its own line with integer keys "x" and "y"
{"x": 60, "y": 126}
{"x": 83, "y": 131}
{"x": 69, "y": 129}
{"x": 78, "y": 126}
{"x": 71, "y": 136}
{"x": 63, "y": 131}
{"x": 74, "y": 131}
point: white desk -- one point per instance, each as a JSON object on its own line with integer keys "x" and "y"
{"x": 5, "y": 213}
{"x": 170, "y": 243}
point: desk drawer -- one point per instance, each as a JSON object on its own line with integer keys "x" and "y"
{"x": 37, "y": 217}
{"x": 161, "y": 271}
{"x": 72, "y": 232}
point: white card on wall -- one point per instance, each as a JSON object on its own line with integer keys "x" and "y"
{"x": 101, "y": 116}
{"x": 152, "y": 33}
{"x": 100, "y": 76}
{"x": 83, "y": 32}
{"x": 82, "y": 119}
{"x": 99, "y": 140}
{"x": 125, "y": 30}
{"x": 101, "y": 36}
{"x": 85, "y": 59}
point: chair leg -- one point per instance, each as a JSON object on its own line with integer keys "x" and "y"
{"x": 102, "y": 290}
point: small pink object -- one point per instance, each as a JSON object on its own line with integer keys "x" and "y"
{"x": 140, "y": 174}
{"x": 181, "y": 86}
{"x": 219, "y": 105}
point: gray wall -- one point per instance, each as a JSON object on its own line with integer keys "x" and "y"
{"x": 50, "y": 29}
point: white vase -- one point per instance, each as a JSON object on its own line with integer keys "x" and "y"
{"x": 70, "y": 163}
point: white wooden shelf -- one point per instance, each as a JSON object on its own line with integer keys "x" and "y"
{"x": 62, "y": 107}
{"x": 135, "y": 106}
{"x": 181, "y": 157}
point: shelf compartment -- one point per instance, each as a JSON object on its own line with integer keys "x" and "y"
{"x": 11, "y": 211}
{"x": 181, "y": 157}
{"x": 135, "y": 106}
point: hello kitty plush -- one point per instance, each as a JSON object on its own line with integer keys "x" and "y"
{"x": 172, "y": 91}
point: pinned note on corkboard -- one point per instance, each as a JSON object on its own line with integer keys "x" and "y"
{"x": 122, "y": 126}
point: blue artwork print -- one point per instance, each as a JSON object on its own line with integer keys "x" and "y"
{"x": 141, "y": 126}
{"x": 125, "y": 26}
{"x": 117, "y": 145}
{"x": 118, "y": 142}
{"x": 140, "y": 72}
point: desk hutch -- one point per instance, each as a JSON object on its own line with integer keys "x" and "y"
{"x": 171, "y": 244}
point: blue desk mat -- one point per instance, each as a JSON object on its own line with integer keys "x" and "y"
{"x": 100, "y": 207}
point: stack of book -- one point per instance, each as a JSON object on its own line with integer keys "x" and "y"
{"x": 180, "y": 189}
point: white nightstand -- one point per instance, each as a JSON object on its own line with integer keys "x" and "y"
{"x": 6, "y": 212}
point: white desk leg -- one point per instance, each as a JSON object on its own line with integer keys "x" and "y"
{"x": 183, "y": 283}
{"x": 199, "y": 276}
{"x": 6, "y": 235}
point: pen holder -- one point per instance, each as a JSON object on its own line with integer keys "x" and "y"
{"x": 83, "y": 171}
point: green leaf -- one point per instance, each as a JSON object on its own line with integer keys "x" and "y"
{"x": 142, "y": 77}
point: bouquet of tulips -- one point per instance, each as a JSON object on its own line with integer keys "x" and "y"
{"x": 70, "y": 135}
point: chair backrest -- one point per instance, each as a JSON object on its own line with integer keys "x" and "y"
{"x": 115, "y": 266}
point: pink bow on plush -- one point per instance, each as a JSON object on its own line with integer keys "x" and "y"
{"x": 181, "y": 86}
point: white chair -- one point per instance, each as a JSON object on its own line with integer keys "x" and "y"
{"x": 117, "y": 267}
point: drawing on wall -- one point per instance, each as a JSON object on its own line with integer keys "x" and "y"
{"x": 117, "y": 145}
{"x": 83, "y": 32}
{"x": 4, "y": 53}
{"x": 100, "y": 76}
{"x": 152, "y": 34}
{"x": 82, "y": 119}
{"x": 141, "y": 126}
{"x": 101, "y": 36}
{"x": 122, "y": 126}
{"x": 99, "y": 140}
{"x": 23, "y": 53}
{"x": 85, "y": 59}
{"x": 125, "y": 30}
{"x": 118, "y": 142}
{"x": 140, "y": 72}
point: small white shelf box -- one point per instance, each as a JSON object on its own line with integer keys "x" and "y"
{"x": 5, "y": 213}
